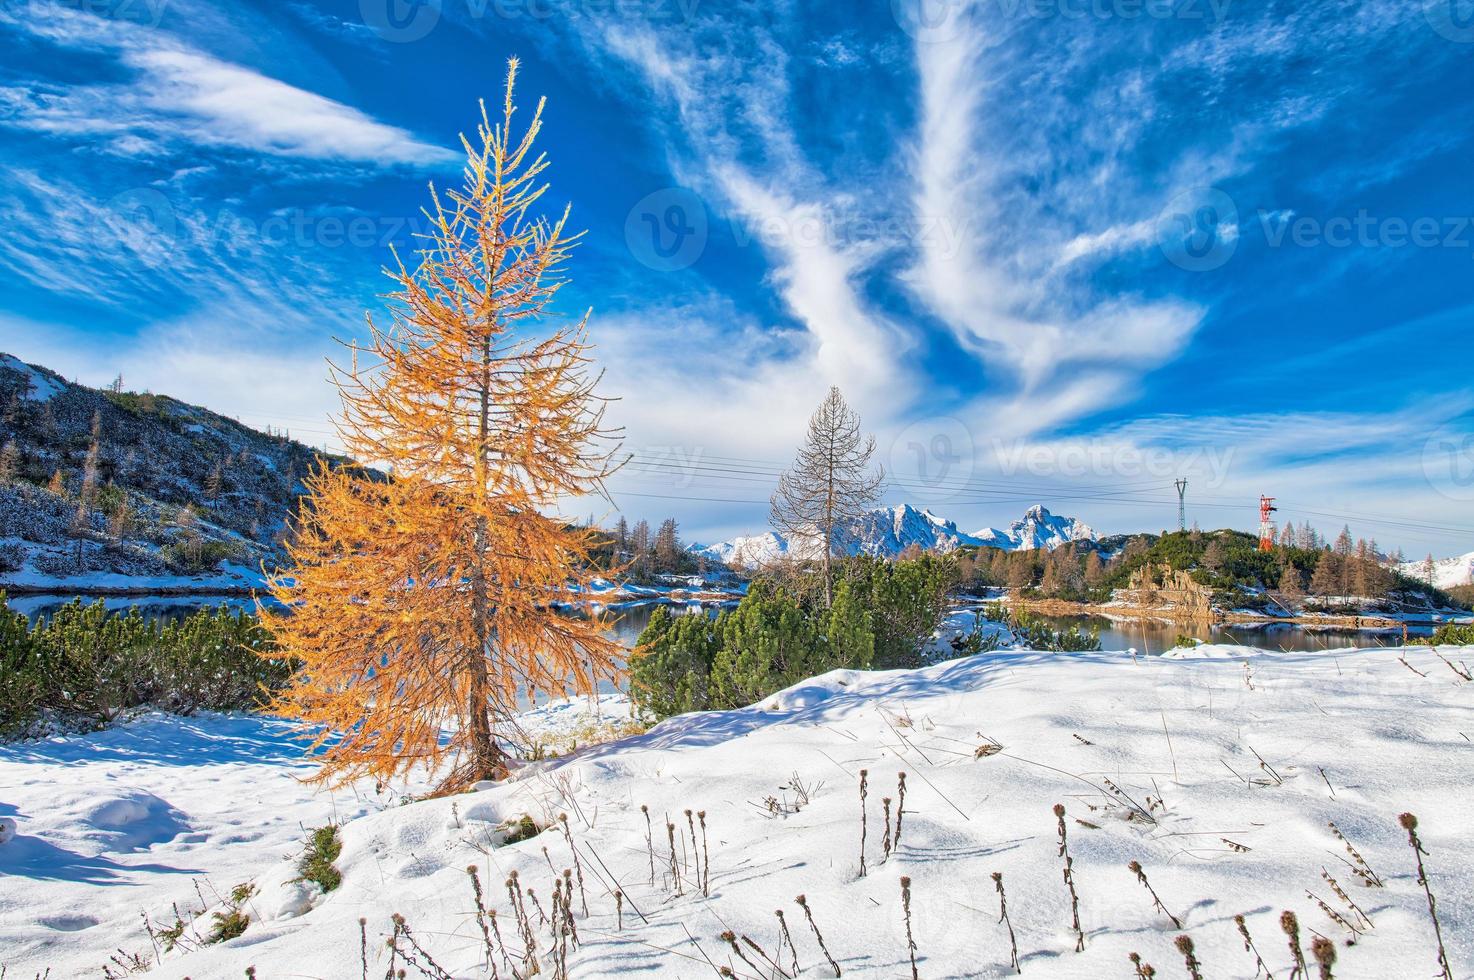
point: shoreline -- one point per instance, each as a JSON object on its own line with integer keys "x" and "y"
{"x": 1371, "y": 622}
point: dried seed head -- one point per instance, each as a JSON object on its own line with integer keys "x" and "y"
{"x": 687, "y": 812}
{"x": 1289, "y": 923}
{"x": 998, "y": 876}
{"x": 1324, "y": 951}
{"x": 562, "y": 818}
{"x": 801, "y": 900}
{"x": 729, "y": 937}
{"x": 512, "y": 874}
{"x": 1135, "y": 867}
{"x": 700, "y": 814}
{"x": 1184, "y": 945}
{"x": 1059, "y": 809}
{"x": 905, "y": 882}
{"x": 1238, "y": 920}
{"x": 1408, "y": 821}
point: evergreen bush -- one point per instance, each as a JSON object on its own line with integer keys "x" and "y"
{"x": 87, "y": 665}
{"x": 883, "y": 613}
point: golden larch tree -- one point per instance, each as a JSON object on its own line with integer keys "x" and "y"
{"x": 421, "y": 606}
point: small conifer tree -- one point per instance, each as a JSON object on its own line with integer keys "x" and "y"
{"x": 428, "y": 601}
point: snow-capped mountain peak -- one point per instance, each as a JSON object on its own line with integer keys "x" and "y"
{"x": 888, "y": 531}
{"x": 1038, "y": 528}
{"x": 1447, "y": 572}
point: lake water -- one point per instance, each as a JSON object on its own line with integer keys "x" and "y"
{"x": 627, "y": 621}
{"x": 1153, "y": 636}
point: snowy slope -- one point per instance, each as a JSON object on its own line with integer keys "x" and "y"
{"x": 1447, "y": 572}
{"x": 161, "y": 456}
{"x": 39, "y": 385}
{"x": 887, "y": 531}
{"x": 1154, "y": 759}
{"x": 1038, "y": 528}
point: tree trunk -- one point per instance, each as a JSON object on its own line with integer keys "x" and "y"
{"x": 486, "y": 758}
{"x": 829, "y": 534}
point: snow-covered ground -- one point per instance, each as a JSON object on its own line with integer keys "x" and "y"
{"x": 1218, "y": 769}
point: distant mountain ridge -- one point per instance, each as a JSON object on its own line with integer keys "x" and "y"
{"x": 888, "y": 531}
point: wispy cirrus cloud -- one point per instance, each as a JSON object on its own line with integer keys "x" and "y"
{"x": 735, "y": 140}
{"x": 175, "y": 95}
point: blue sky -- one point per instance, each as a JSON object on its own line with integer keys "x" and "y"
{"x": 1053, "y": 250}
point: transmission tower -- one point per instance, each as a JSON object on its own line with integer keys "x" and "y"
{"x": 1266, "y": 523}
{"x": 1182, "y": 504}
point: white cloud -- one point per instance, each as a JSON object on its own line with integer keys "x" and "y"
{"x": 178, "y": 95}
{"x": 735, "y": 110}
{"x": 1000, "y": 302}
{"x": 212, "y": 359}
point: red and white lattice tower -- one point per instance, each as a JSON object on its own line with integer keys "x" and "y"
{"x": 1266, "y": 523}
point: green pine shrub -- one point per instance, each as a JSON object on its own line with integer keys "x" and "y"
{"x": 1454, "y": 634}
{"x": 883, "y": 614}
{"x": 87, "y": 665}
{"x": 323, "y": 847}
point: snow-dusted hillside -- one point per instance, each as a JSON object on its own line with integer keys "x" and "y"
{"x": 1447, "y": 572}
{"x": 1156, "y": 760}
{"x": 887, "y": 531}
{"x": 180, "y": 496}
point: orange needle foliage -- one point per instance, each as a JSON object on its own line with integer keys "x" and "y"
{"x": 420, "y": 607}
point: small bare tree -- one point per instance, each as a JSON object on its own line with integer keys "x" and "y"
{"x": 830, "y": 483}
